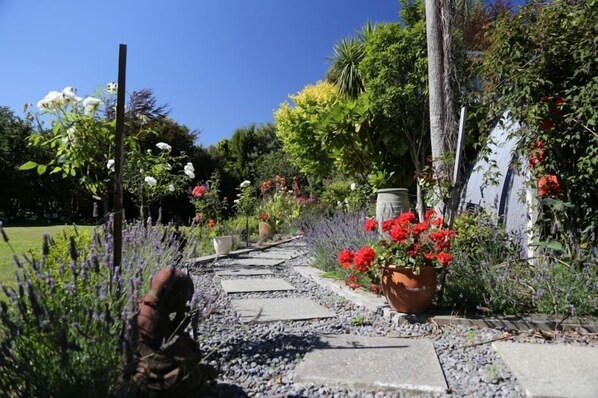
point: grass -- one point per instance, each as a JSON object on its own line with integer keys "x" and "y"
{"x": 25, "y": 240}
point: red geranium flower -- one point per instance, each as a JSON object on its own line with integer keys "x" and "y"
{"x": 199, "y": 191}
{"x": 398, "y": 234}
{"x": 352, "y": 282}
{"x": 370, "y": 225}
{"x": 387, "y": 225}
{"x": 444, "y": 258}
{"x": 420, "y": 227}
{"x": 413, "y": 250}
{"x": 345, "y": 258}
{"x": 429, "y": 214}
{"x": 363, "y": 258}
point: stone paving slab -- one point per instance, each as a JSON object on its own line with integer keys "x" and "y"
{"x": 255, "y": 285}
{"x": 257, "y": 261}
{"x": 372, "y": 363}
{"x": 551, "y": 370}
{"x": 280, "y": 309}
{"x": 276, "y": 254}
{"x": 253, "y": 271}
{"x": 369, "y": 301}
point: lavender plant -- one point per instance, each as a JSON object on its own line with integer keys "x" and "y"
{"x": 68, "y": 328}
{"x": 487, "y": 273}
{"x": 331, "y": 234}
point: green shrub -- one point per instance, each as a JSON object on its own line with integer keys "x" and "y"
{"x": 487, "y": 270}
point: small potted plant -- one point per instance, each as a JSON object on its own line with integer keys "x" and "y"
{"x": 223, "y": 244}
{"x": 404, "y": 260}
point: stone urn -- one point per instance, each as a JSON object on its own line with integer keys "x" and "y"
{"x": 223, "y": 244}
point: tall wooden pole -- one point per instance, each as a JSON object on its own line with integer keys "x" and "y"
{"x": 119, "y": 156}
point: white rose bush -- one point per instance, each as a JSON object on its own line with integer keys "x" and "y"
{"x": 81, "y": 137}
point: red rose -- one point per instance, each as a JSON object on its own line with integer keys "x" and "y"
{"x": 199, "y": 191}
{"x": 345, "y": 258}
{"x": 548, "y": 185}
{"x": 264, "y": 217}
{"x": 363, "y": 258}
{"x": 370, "y": 225}
{"x": 444, "y": 258}
{"x": 211, "y": 223}
{"x": 546, "y": 125}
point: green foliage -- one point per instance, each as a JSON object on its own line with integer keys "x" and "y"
{"x": 298, "y": 129}
{"x": 541, "y": 67}
{"x": 487, "y": 271}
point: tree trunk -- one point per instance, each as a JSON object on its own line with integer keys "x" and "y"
{"x": 440, "y": 90}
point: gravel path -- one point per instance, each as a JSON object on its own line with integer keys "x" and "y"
{"x": 258, "y": 359}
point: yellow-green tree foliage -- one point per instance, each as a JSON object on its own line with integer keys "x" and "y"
{"x": 297, "y": 128}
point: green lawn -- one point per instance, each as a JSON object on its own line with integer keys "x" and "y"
{"x": 25, "y": 240}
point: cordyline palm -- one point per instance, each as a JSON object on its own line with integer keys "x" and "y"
{"x": 344, "y": 69}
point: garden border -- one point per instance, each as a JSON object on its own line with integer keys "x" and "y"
{"x": 374, "y": 303}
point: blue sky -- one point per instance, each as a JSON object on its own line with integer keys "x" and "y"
{"x": 219, "y": 64}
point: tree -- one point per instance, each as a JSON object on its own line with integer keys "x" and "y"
{"x": 30, "y": 196}
{"x": 442, "y": 121}
{"x": 541, "y": 66}
{"x": 344, "y": 70}
{"x": 395, "y": 73}
{"x": 298, "y": 129}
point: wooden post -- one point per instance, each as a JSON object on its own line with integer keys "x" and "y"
{"x": 119, "y": 157}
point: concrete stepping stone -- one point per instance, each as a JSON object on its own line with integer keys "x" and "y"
{"x": 244, "y": 272}
{"x": 280, "y": 309}
{"x": 255, "y": 285}
{"x": 372, "y": 363}
{"x": 262, "y": 262}
{"x": 550, "y": 370}
{"x": 276, "y": 255}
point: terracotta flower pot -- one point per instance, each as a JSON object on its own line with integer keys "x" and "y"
{"x": 264, "y": 230}
{"x": 407, "y": 292}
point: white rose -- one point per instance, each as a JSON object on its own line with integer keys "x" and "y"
{"x": 110, "y": 164}
{"x": 112, "y": 88}
{"x": 190, "y": 174}
{"x": 245, "y": 183}
{"x": 52, "y": 101}
{"x": 164, "y": 146}
{"x": 353, "y": 186}
{"x": 171, "y": 187}
{"x": 189, "y": 166}
{"x": 91, "y": 105}
{"x": 69, "y": 96}
{"x": 151, "y": 181}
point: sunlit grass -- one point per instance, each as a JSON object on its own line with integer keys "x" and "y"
{"x": 25, "y": 240}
